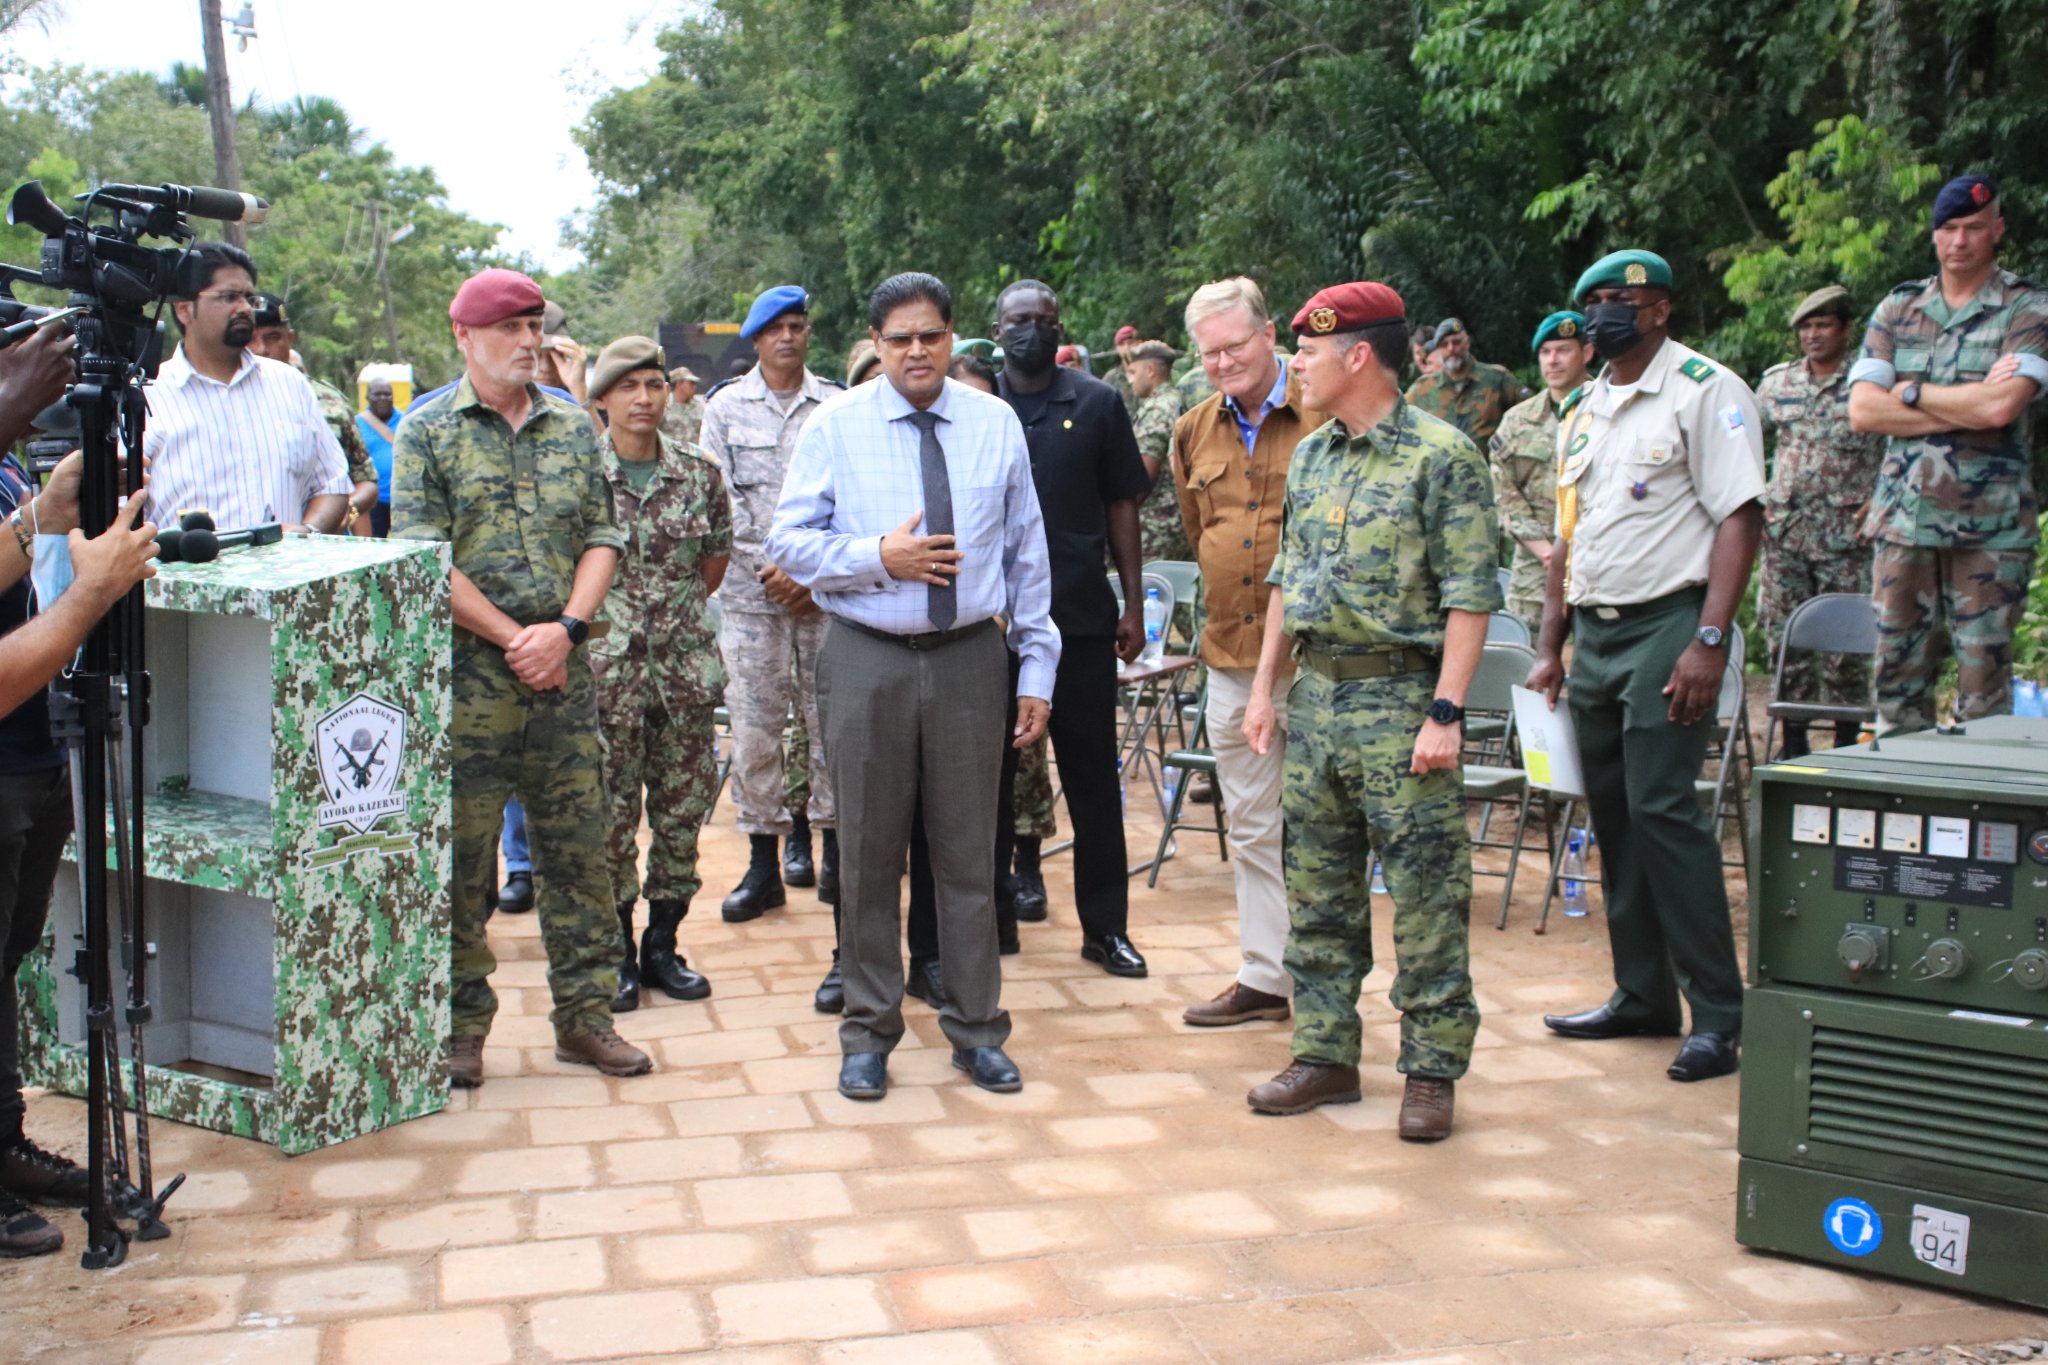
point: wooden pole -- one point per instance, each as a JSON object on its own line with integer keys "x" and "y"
{"x": 220, "y": 112}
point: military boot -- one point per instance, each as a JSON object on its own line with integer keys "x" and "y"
{"x": 1029, "y": 894}
{"x": 628, "y": 998}
{"x": 797, "y": 869}
{"x": 828, "y": 871}
{"x": 660, "y": 964}
{"x": 761, "y": 888}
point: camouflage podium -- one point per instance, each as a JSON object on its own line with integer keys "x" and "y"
{"x": 298, "y": 848}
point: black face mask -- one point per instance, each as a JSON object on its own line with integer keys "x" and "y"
{"x": 1612, "y": 328}
{"x": 1029, "y": 347}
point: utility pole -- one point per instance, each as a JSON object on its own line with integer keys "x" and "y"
{"x": 220, "y": 112}
{"x": 384, "y": 276}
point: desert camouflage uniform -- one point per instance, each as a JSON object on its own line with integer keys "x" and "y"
{"x": 1162, "y": 534}
{"x": 1475, "y": 404}
{"x": 1955, "y": 512}
{"x": 683, "y": 421}
{"x": 1822, "y": 472}
{"x": 1386, "y": 532}
{"x": 658, "y": 672}
{"x": 770, "y": 655}
{"x": 1523, "y": 453}
{"x": 521, "y": 509}
{"x": 340, "y": 416}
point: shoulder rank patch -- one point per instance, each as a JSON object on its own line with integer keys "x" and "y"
{"x": 1697, "y": 370}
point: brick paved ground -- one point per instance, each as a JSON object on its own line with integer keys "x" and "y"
{"x": 1125, "y": 1207}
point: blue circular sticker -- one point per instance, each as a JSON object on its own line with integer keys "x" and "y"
{"x": 1852, "y": 1227}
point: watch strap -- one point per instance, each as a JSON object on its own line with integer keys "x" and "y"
{"x": 579, "y": 630}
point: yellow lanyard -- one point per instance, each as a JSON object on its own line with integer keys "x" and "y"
{"x": 1568, "y": 493}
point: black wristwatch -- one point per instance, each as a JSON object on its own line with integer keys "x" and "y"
{"x": 1910, "y": 395}
{"x": 579, "y": 631}
{"x": 1710, "y": 636}
{"x": 1444, "y": 711}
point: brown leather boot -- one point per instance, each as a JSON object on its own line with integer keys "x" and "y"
{"x": 466, "y": 1061}
{"x": 1426, "y": 1109}
{"x": 605, "y": 1050}
{"x": 1239, "y": 1004}
{"x": 1303, "y": 1086}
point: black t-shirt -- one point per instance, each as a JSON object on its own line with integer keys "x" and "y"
{"x": 1083, "y": 457}
{"x": 25, "y": 743}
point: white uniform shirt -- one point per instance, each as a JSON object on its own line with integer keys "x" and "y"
{"x": 1657, "y": 468}
{"x": 253, "y": 450}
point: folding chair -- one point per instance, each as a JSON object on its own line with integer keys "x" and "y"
{"x": 1486, "y": 735}
{"x": 1728, "y": 789}
{"x": 721, "y": 721}
{"x": 1186, "y": 578}
{"x": 1506, "y": 628}
{"x": 1197, "y": 758}
{"x": 1501, "y": 668}
{"x": 1832, "y": 623}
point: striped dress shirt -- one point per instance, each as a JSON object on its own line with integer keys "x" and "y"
{"x": 856, "y": 476}
{"x": 253, "y": 450}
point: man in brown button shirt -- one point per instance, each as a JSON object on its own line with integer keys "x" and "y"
{"x": 1230, "y": 456}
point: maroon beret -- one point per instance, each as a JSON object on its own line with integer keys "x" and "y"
{"x": 1347, "y": 308}
{"x": 493, "y": 295}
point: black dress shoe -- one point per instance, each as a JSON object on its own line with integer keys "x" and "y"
{"x": 864, "y": 1075}
{"x": 515, "y": 897}
{"x": 831, "y": 994}
{"x": 1704, "y": 1056}
{"x": 926, "y": 982}
{"x": 1030, "y": 897}
{"x": 989, "y": 1067}
{"x": 1605, "y": 1022}
{"x": 1116, "y": 953}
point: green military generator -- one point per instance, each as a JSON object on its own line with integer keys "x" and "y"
{"x": 1895, "y": 1041}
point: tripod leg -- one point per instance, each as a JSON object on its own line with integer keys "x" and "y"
{"x": 137, "y": 1190}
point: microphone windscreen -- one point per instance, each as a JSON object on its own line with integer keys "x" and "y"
{"x": 170, "y": 545}
{"x": 197, "y": 521}
{"x": 199, "y": 547}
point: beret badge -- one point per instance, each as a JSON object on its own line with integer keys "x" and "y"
{"x": 1322, "y": 320}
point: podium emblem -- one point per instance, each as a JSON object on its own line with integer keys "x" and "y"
{"x": 362, "y": 750}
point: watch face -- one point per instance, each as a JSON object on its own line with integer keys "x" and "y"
{"x": 1710, "y": 637}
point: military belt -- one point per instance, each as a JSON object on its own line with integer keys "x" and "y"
{"x": 1622, "y": 611}
{"x": 1343, "y": 666}
{"x": 930, "y": 639}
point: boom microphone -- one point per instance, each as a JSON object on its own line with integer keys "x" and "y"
{"x": 201, "y": 201}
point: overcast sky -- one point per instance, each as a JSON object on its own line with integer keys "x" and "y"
{"x": 484, "y": 94}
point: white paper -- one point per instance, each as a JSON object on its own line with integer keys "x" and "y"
{"x": 1550, "y": 746}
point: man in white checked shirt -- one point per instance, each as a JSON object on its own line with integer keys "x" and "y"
{"x": 913, "y": 670}
{"x": 230, "y": 431}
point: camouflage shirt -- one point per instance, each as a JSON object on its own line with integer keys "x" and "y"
{"x": 1121, "y": 382}
{"x": 662, "y": 637}
{"x": 1822, "y": 471}
{"x": 520, "y": 507}
{"x": 342, "y": 417}
{"x": 1474, "y": 404}
{"x": 1523, "y": 453}
{"x": 1955, "y": 488}
{"x": 683, "y": 421}
{"x": 749, "y": 436}
{"x": 1385, "y": 533}
{"x": 1162, "y": 534}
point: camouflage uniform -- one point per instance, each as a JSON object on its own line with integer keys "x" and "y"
{"x": 1386, "y": 532}
{"x": 521, "y": 509}
{"x": 342, "y": 417}
{"x": 1193, "y": 386}
{"x": 1523, "y": 453}
{"x": 769, "y": 653}
{"x": 1121, "y": 382}
{"x": 1822, "y": 473}
{"x": 1031, "y": 799}
{"x": 658, "y": 671}
{"x": 684, "y": 421}
{"x": 1474, "y": 404}
{"x": 1162, "y": 533}
{"x": 1955, "y": 513}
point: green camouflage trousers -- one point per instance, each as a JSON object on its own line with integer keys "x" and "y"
{"x": 545, "y": 748}
{"x": 796, "y": 766}
{"x": 1793, "y": 572}
{"x": 1346, "y": 794}
{"x": 673, "y": 761}
{"x": 1929, "y": 599}
{"x": 1033, "y": 798}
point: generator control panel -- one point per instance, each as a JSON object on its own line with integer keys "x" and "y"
{"x": 1916, "y": 868}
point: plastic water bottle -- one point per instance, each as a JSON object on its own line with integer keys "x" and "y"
{"x": 1574, "y": 872}
{"x": 1155, "y": 628}
{"x": 2028, "y": 698}
{"x": 1379, "y": 878}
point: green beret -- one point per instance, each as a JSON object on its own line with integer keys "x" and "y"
{"x": 1832, "y": 300}
{"x": 1563, "y": 325}
{"x": 621, "y": 358}
{"x": 1445, "y": 330}
{"x": 1622, "y": 270}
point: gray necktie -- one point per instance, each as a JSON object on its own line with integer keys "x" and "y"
{"x": 941, "y": 603}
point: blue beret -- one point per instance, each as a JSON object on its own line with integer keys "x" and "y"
{"x": 773, "y": 303}
{"x": 1563, "y": 325}
{"x": 1624, "y": 270}
{"x": 1963, "y": 196}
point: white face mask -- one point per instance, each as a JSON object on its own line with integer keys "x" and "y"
{"x": 50, "y": 571}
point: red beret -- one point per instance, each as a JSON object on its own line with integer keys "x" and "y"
{"x": 493, "y": 295}
{"x": 1125, "y": 333}
{"x": 1347, "y": 308}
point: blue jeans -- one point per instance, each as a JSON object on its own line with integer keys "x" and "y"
{"x": 512, "y": 840}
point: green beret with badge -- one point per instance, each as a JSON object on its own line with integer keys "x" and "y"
{"x": 1624, "y": 270}
{"x": 1563, "y": 325}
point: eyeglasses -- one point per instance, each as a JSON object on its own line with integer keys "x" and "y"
{"x": 1235, "y": 350}
{"x": 900, "y": 341}
{"x": 231, "y": 297}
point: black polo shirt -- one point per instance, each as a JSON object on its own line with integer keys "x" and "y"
{"x": 1083, "y": 457}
